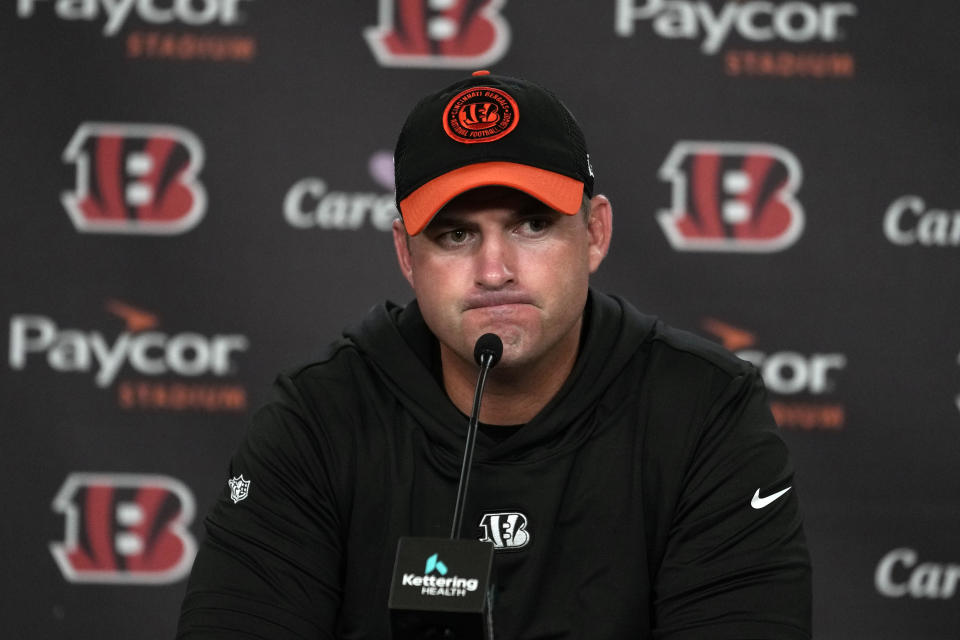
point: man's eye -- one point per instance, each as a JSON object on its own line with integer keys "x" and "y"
{"x": 536, "y": 225}
{"x": 454, "y": 236}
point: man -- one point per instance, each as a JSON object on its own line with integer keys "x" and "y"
{"x": 629, "y": 476}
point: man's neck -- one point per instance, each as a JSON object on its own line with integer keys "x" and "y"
{"x": 512, "y": 395}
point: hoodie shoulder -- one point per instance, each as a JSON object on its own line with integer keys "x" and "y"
{"x": 326, "y": 384}
{"x": 662, "y": 341}
{"x": 688, "y": 344}
{"x": 342, "y": 358}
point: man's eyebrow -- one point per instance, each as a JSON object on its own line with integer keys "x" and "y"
{"x": 533, "y": 207}
{"x": 446, "y": 215}
{"x": 447, "y": 219}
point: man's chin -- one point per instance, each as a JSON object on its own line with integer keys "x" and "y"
{"x": 512, "y": 336}
{"x": 517, "y": 349}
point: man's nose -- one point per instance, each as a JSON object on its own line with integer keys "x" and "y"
{"x": 494, "y": 262}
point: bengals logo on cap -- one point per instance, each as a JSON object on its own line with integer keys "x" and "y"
{"x": 480, "y": 114}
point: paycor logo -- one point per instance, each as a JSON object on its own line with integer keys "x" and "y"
{"x": 115, "y": 13}
{"x": 150, "y": 353}
{"x": 754, "y": 21}
{"x": 141, "y": 348}
{"x": 802, "y": 383}
{"x": 432, "y": 585}
{"x": 781, "y": 37}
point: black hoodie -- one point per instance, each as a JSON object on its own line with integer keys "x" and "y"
{"x": 639, "y": 503}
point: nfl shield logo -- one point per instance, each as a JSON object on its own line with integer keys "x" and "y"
{"x": 239, "y": 488}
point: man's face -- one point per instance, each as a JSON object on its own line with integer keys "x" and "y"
{"x": 497, "y": 260}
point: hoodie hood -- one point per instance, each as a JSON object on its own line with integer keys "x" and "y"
{"x": 404, "y": 353}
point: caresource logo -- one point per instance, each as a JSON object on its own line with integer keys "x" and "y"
{"x": 757, "y": 22}
{"x": 459, "y": 34}
{"x": 432, "y": 585}
{"x": 801, "y": 383}
{"x": 135, "y": 179}
{"x": 731, "y": 197}
{"x": 142, "y": 349}
{"x": 900, "y": 574}
{"x": 124, "y": 529}
{"x": 910, "y": 222}
{"x": 312, "y": 204}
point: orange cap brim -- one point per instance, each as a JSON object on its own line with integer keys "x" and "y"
{"x": 557, "y": 191}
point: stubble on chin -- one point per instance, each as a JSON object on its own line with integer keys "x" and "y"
{"x": 515, "y": 336}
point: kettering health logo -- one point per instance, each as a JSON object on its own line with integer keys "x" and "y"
{"x": 432, "y": 585}
{"x": 434, "y": 563}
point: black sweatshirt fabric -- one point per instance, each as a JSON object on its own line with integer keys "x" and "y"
{"x": 627, "y": 508}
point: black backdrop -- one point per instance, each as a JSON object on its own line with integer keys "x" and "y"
{"x": 196, "y": 193}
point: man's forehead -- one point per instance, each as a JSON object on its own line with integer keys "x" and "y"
{"x": 493, "y": 197}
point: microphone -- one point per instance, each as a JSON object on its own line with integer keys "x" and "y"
{"x": 430, "y": 603}
{"x": 489, "y": 344}
{"x": 486, "y": 353}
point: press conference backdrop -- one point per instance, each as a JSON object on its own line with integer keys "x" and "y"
{"x": 198, "y": 194}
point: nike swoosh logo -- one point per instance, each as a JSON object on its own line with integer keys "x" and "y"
{"x": 759, "y": 503}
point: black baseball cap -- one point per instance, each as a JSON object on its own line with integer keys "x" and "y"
{"x": 489, "y": 130}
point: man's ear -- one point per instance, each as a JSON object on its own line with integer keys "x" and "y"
{"x": 600, "y": 229}
{"x": 402, "y": 247}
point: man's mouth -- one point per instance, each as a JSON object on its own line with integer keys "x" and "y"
{"x": 495, "y": 299}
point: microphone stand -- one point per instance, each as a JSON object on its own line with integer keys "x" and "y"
{"x": 425, "y": 602}
{"x": 486, "y": 361}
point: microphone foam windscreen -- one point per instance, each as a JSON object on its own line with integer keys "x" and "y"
{"x": 488, "y": 343}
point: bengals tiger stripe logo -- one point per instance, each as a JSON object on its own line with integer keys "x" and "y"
{"x": 124, "y": 528}
{"x": 480, "y": 114}
{"x": 732, "y": 196}
{"x": 439, "y": 34}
